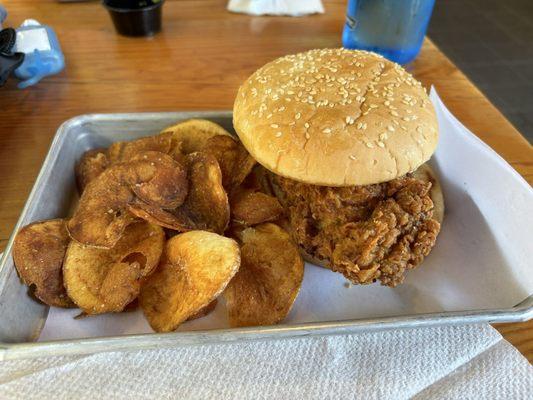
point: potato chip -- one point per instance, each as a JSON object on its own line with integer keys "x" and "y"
{"x": 38, "y": 253}
{"x": 251, "y": 208}
{"x": 235, "y": 162}
{"x": 193, "y": 134}
{"x": 207, "y": 203}
{"x": 91, "y": 164}
{"x": 124, "y": 151}
{"x": 206, "y": 206}
{"x": 102, "y": 215}
{"x": 169, "y": 186}
{"x": 100, "y": 280}
{"x": 194, "y": 270}
{"x": 269, "y": 279}
{"x": 158, "y": 216}
{"x": 204, "y": 312}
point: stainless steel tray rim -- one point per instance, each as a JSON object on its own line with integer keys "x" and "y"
{"x": 523, "y": 312}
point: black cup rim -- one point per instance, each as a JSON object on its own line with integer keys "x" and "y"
{"x": 129, "y": 10}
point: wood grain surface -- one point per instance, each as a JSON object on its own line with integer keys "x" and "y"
{"x": 197, "y": 62}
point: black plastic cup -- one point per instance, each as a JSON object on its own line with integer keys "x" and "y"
{"x": 135, "y": 17}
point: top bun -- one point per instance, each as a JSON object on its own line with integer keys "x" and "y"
{"x": 336, "y": 117}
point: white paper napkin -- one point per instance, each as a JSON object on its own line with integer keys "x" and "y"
{"x": 293, "y": 8}
{"x": 470, "y": 362}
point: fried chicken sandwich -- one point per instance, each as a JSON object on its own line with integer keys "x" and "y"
{"x": 344, "y": 137}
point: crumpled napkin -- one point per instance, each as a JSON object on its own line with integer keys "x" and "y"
{"x": 453, "y": 362}
{"x": 293, "y": 8}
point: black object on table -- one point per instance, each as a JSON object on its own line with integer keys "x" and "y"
{"x": 9, "y": 61}
{"x": 135, "y": 17}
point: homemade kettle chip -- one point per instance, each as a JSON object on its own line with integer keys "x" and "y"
{"x": 195, "y": 269}
{"x": 101, "y": 216}
{"x": 125, "y": 151}
{"x": 206, "y": 206}
{"x": 38, "y": 252}
{"x": 235, "y": 162}
{"x": 207, "y": 203}
{"x": 169, "y": 186}
{"x": 269, "y": 279}
{"x": 91, "y": 164}
{"x": 107, "y": 280}
{"x": 251, "y": 208}
{"x": 193, "y": 134}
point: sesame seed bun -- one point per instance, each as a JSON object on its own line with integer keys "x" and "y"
{"x": 336, "y": 117}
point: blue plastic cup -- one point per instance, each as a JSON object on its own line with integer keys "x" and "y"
{"x": 392, "y": 28}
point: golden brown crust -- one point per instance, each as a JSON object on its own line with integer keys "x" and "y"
{"x": 426, "y": 174}
{"x": 335, "y": 117}
{"x": 365, "y": 232}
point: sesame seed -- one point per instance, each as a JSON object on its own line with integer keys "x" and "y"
{"x": 327, "y": 130}
{"x": 307, "y": 135}
{"x": 387, "y": 103}
{"x": 369, "y": 145}
{"x": 352, "y": 157}
{"x": 306, "y": 125}
{"x": 390, "y": 128}
{"x": 394, "y": 114}
{"x": 110, "y": 211}
{"x": 269, "y": 116}
{"x": 406, "y": 118}
{"x": 278, "y": 134}
{"x": 347, "y": 120}
{"x": 274, "y": 126}
{"x": 298, "y": 116}
{"x": 419, "y": 129}
{"x": 381, "y": 144}
{"x": 383, "y": 136}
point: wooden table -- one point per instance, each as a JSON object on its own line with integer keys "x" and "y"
{"x": 197, "y": 62}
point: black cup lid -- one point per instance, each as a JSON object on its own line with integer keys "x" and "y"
{"x": 131, "y": 4}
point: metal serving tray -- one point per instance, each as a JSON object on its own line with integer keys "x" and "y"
{"x": 21, "y": 318}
